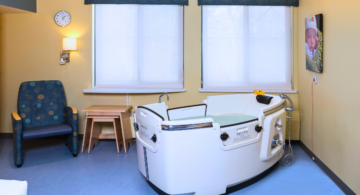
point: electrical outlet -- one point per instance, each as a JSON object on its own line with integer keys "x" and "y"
{"x": 315, "y": 78}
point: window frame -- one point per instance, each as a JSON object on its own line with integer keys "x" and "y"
{"x": 95, "y": 89}
{"x": 245, "y": 90}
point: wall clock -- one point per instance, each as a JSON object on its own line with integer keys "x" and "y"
{"x": 62, "y": 18}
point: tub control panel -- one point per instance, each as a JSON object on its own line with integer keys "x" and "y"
{"x": 238, "y": 134}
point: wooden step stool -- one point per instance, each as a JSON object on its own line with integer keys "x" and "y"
{"x": 118, "y": 115}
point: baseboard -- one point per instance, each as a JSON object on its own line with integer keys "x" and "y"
{"x": 327, "y": 171}
{"x": 10, "y": 136}
{"x": 292, "y": 141}
{"x": 6, "y": 135}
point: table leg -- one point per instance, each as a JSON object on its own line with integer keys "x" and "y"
{"x": 94, "y": 136}
{"x": 87, "y": 131}
{"x": 126, "y": 130}
{"x": 117, "y": 131}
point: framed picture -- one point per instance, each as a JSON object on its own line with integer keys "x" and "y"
{"x": 314, "y": 43}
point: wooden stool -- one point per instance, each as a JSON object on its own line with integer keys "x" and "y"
{"x": 118, "y": 115}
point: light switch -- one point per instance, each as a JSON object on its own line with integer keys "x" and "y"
{"x": 315, "y": 78}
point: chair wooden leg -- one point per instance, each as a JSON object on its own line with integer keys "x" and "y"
{"x": 96, "y": 141}
{"x": 126, "y": 130}
{"x": 88, "y": 126}
{"x": 131, "y": 142}
{"x": 117, "y": 131}
{"x": 94, "y": 135}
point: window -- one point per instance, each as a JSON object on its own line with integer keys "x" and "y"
{"x": 138, "y": 46}
{"x": 246, "y": 47}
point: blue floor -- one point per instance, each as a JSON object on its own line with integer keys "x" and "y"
{"x": 50, "y": 169}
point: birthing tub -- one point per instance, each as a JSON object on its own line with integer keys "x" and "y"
{"x": 210, "y": 148}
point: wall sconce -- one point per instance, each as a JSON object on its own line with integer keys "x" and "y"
{"x": 69, "y": 44}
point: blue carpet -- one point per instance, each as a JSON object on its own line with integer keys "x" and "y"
{"x": 50, "y": 169}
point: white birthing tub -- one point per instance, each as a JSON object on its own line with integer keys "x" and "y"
{"x": 210, "y": 148}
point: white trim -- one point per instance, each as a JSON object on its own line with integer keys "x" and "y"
{"x": 130, "y": 91}
{"x": 245, "y": 91}
{"x": 127, "y": 99}
{"x": 93, "y": 45}
{"x": 292, "y": 47}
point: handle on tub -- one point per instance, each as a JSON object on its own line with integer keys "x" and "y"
{"x": 278, "y": 142}
{"x": 258, "y": 128}
{"x": 136, "y": 126}
{"x": 224, "y": 136}
{"x": 143, "y": 114}
{"x": 153, "y": 138}
{"x": 162, "y": 95}
{"x": 278, "y": 125}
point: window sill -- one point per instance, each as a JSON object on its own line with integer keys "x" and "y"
{"x": 246, "y": 91}
{"x": 129, "y": 91}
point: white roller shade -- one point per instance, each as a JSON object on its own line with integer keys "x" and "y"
{"x": 139, "y": 46}
{"x": 246, "y": 47}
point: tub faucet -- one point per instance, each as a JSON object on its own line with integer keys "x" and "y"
{"x": 162, "y": 95}
{"x": 288, "y": 158}
{"x": 283, "y": 96}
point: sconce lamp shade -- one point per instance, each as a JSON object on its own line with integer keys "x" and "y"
{"x": 69, "y": 44}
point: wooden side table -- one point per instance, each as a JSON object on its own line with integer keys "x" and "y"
{"x": 118, "y": 115}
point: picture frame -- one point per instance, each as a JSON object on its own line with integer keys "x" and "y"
{"x": 314, "y": 43}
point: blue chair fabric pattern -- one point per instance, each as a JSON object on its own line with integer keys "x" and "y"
{"x": 17, "y": 142}
{"x": 41, "y": 104}
{"x": 71, "y": 140}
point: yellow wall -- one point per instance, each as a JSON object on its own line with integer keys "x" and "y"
{"x": 30, "y": 46}
{"x": 336, "y": 113}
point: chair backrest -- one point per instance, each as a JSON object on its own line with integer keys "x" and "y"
{"x": 41, "y": 103}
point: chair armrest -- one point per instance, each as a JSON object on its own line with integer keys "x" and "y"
{"x": 18, "y": 138}
{"x": 16, "y": 116}
{"x": 16, "y": 122}
{"x": 72, "y": 118}
{"x": 74, "y": 110}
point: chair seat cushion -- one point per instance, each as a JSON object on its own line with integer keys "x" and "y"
{"x": 46, "y": 131}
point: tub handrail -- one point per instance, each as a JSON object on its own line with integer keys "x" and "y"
{"x": 270, "y": 110}
{"x": 191, "y": 124}
{"x": 186, "y": 127}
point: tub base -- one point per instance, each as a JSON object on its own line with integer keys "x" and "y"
{"x": 251, "y": 181}
{"x": 229, "y": 189}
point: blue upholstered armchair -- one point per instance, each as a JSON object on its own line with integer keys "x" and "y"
{"x": 42, "y": 112}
